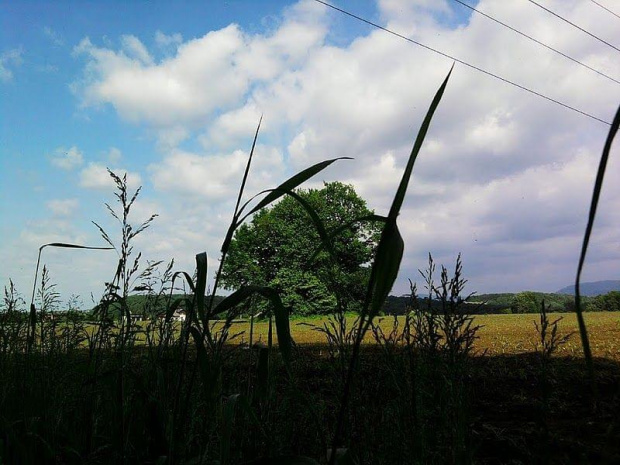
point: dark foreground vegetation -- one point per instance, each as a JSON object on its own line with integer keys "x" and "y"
{"x": 189, "y": 390}
{"x": 496, "y": 410}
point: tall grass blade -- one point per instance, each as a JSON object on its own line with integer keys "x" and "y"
{"x": 598, "y": 186}
{"x": 292, "y": 183}
{"x": 387, "y": 263}
{"x": 247, "y": 167}
{"x": 33, "y": 311}
{"x": 201, "y": 287}
{"x": 233, "y": 223}
{"x": 391, "y": 246}
{"x": 283, "y": 330}
{"x": 385, "y": 266}
{"x": 402, "y": 188}
{"x": 339, "y": 230}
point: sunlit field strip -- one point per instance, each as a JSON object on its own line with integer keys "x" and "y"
{"x": 500, "y": 334}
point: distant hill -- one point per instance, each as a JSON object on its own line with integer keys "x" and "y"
{"x": 593, "y": 289}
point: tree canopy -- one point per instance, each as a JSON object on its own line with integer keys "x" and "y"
{"x": 277, "y": 247}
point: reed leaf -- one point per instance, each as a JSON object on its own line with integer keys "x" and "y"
{"x": 247, "y": 167}
{"x": 390, "y": 249}
{"x": 201, "y": 287}
{"x": 598, "y": 186}
{"x": 385, "y": 266}
{"x": 348, "y": 225}
{"x": 291, "y": 184}
{"x": 283, "y": 330}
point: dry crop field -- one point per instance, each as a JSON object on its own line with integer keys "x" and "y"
{"x": 498, "y": 335}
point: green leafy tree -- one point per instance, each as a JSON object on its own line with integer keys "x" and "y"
{"x": 525, "y": 302}
{"x": 609, "y": 302}
{"x": 278, "y": 248}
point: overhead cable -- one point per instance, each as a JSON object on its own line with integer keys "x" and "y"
{"x": 574, "y": 25}
{"x": 469, "y": 65}
{"x": 574, "y": 60}
{"x": 605, "y": 8}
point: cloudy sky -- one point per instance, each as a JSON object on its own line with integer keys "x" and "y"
{"x": 171, "y": 93}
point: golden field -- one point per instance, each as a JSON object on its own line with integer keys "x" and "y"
{"x": 498, "y": 335}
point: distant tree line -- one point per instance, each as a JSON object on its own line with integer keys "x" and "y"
{"x": 509, "y": 303}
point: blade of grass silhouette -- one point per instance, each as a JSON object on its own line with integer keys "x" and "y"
{"x": 289, "y": 185}
{"x": 598, "y": 186}
{"x": 386, "y": 264}
{"x": 316, "y": 220}
{"x": 233, "y": 223}
{"x": 285, "y": 341}
{"x": 339, "y": 230}
{"x": 247, "y": 167}
{"x": 201, "y": 287}
{"x": 60, "y": 245}
{"x": 63, "y": 245}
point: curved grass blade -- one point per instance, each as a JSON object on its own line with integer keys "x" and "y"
{"x": 283, "y": 330}
{"x": 386, "y": 264}
{"x": 390, "y": 250}
{"x": 598, "y": 185}
{"x": 234, "y": 299}
{"x": 274, "y": 194}
{"x": 404, "y": 182}
{"x": 61, "y": 245}
{"x": 339, "y": 230}
{"x": 318, "y": 223}
{"x": 291, "y": 183}
{"x": 33, "y": 311}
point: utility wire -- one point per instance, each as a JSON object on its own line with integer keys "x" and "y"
{"x": 605, "y": 8}
{"x": 573, "y": 24}
{"x": 488, "y": 73}
{"x": 538, "y": 42}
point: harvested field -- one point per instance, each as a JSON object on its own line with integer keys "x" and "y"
{"x": 499, "y": 335}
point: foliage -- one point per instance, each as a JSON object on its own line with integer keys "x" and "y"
{"x": 609, "y": 302}
{"x": 277, "y": 249}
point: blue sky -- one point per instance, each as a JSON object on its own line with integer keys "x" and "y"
{"x": 171, "y": 93}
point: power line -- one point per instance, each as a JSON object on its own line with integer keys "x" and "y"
{"x": 573, "y": 24}
{"x": 538, "y": 42}
{"x": 605, "y": 8}
{"x": 488, "y": 73}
